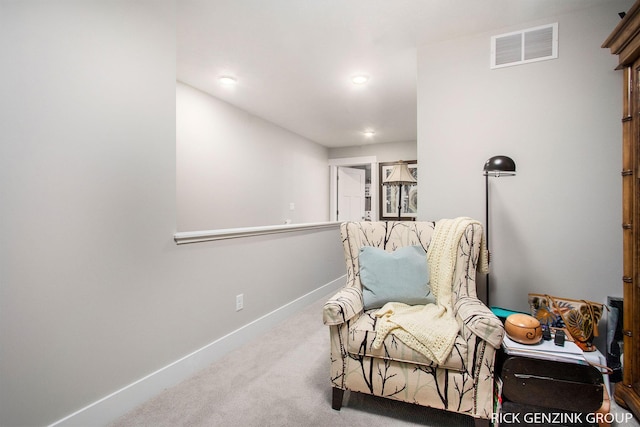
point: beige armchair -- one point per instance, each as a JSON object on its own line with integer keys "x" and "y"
{"x": 463, "y": 380}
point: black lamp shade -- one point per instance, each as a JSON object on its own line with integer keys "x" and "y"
{"x": 500, "y": 165}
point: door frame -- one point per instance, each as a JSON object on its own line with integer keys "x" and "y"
{"x": 333, "y": 182}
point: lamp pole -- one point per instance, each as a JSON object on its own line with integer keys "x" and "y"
{"x": 500, "y": 166}
{"x": 399, "y": 201}
{"x": 486, "y": 226}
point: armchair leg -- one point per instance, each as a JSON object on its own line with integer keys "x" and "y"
{"x": 336, "y": 402}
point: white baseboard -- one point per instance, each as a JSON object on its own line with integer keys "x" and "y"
{"x": 120, "y": 402}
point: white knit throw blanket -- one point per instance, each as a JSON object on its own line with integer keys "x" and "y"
{"x": 431, "y": 329}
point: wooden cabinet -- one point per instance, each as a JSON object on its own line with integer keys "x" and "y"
{"x": 624, "y": 41}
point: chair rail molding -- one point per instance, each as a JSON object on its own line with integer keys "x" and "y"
{"x": 186, "y": 237}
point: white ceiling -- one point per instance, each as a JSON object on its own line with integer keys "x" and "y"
{"x": 293, "y": 59}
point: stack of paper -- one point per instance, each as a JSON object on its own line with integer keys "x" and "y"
{"x": 546, "y": 350}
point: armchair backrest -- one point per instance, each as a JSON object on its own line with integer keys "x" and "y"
{"x": 392, "y": 235}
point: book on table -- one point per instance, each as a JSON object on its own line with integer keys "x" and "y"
{"x": 545, "y": 350}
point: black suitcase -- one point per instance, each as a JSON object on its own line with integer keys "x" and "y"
{"x": 557, "y": 385}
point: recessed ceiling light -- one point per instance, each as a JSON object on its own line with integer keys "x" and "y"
{"x": 360, "y": 79}
{"x": 369, "y": 133}
{"x": 227, "y": 80}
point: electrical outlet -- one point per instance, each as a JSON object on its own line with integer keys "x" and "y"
{"x": 239, "y": 302}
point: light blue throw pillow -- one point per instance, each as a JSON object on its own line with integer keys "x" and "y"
{"x": 400, "y": 276}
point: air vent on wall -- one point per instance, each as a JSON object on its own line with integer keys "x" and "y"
{"x": 524, "y": 46}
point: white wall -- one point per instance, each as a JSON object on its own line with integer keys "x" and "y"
{"x": 238, "y": 170}
{"x": 384, "y": 152}
{"x": 94, "y": 293}
{"x": 555, "y": 227}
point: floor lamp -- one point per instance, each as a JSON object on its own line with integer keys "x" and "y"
{"x": 400, "y": 175}
{"x": 496, "y": 166}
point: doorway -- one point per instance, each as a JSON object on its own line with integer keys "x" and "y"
{"x": 351, "y": 193}
{"x": 351, "y": 189}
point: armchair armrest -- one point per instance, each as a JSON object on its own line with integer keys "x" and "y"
{"x": 343, "y": 306}
{"x": 480, "y": 320}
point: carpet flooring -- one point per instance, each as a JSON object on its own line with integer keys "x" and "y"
{"x": 280, "y": 379}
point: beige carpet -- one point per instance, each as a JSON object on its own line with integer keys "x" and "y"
{"x": 281, "y": 379}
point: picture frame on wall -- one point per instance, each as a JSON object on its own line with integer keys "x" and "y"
{"x": 388, "y": 206}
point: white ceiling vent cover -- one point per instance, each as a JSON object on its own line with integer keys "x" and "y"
{"x": 524, "y": 46}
